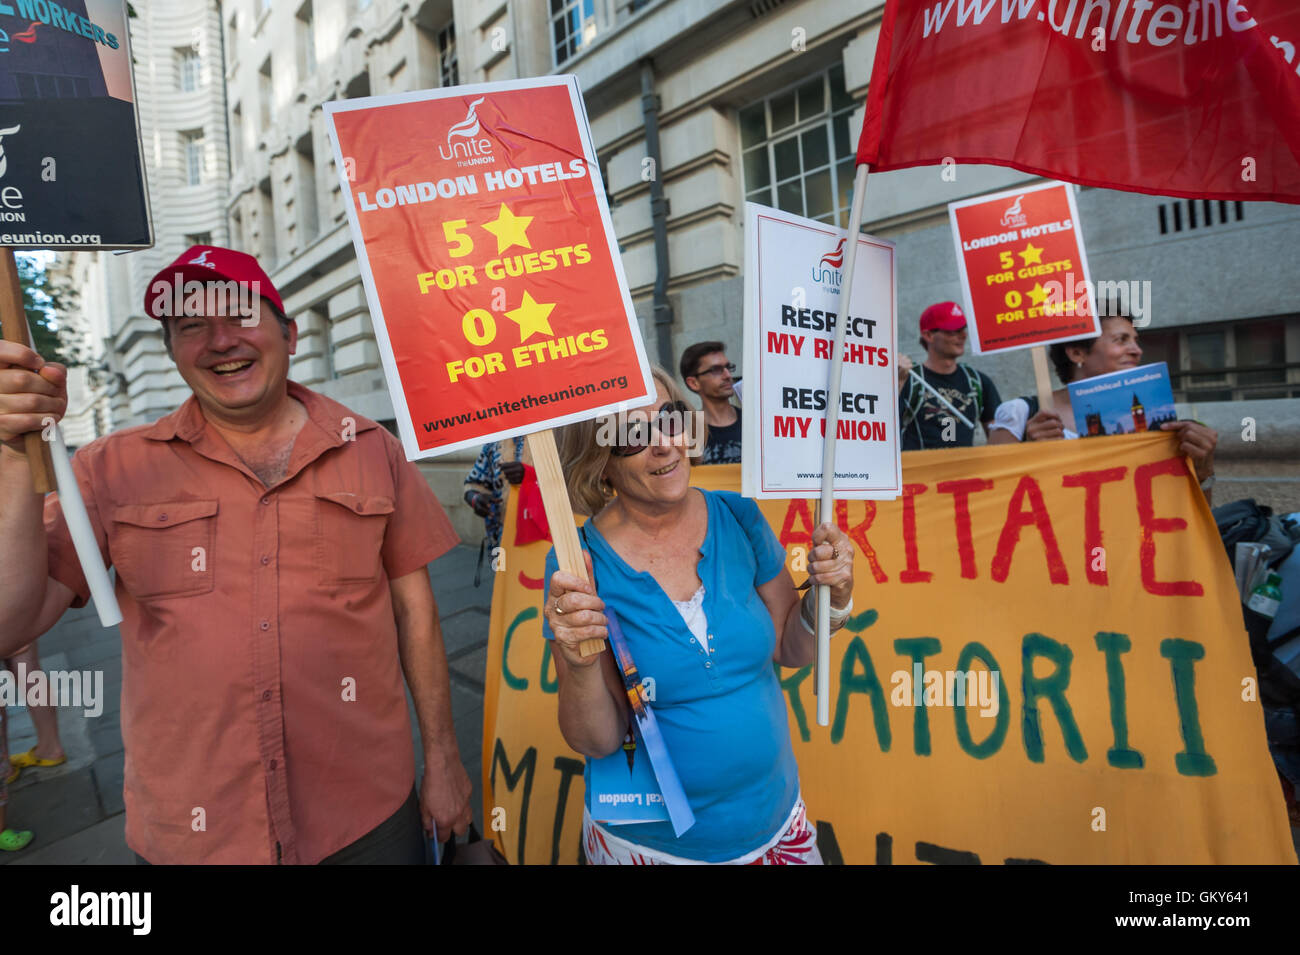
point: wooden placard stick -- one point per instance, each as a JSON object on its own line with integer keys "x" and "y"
{"x": 559, "y": 515}
{"x": 13, "y": 316}
{"x": 1042, "y": 378}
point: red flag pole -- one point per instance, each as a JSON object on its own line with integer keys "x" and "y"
{"x": 826, "y": 509}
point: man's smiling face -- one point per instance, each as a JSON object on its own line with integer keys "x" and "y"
{"x": 237, "y": 371}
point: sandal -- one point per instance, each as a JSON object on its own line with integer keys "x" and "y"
{"x": 11, "y": 841}
{"x": 29, "y": 759}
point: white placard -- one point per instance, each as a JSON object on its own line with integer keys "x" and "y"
{"x": 793, "y": 274}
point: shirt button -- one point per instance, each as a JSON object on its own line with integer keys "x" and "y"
{"x": 266, "y": 695}
{"x": 162, "y": 517}
{"x": 265, "y": 625}
{"x": 266, "y": 500}
{"x": 272, "y": 764}
{"x": 265, "y": 559}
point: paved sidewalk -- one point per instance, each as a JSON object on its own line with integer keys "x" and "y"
{"x": 76, "y": 809}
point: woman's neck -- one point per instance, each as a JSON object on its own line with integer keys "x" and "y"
{"x": 651, "y": 519}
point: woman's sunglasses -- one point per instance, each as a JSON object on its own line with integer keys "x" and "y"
{"x": 641, "y": 433}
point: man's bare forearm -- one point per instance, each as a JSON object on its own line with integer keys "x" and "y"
{"x": 424, "y": 664}
{"x": 23, "y": 556}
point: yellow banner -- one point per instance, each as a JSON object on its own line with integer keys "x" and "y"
{"x": 1110, "y": 705}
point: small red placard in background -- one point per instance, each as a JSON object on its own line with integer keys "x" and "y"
{"x": 1023, "y": 268}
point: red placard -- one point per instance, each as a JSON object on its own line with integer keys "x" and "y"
{"x": 489, "y": 261}
{"x": 1023, "y": 268}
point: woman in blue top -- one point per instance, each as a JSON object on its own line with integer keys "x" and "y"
{"x": 698, "y": 581}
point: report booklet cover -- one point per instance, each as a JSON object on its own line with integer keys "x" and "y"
{"x": 1128, "y": 401}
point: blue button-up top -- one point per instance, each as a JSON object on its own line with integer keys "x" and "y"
{"x": 719, "y": 707}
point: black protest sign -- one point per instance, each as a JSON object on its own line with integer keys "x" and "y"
{"x": 71, "y": 162}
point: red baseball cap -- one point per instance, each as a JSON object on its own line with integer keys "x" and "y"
{"x": 945, "y": 316}
{"x": 205, "y": 263}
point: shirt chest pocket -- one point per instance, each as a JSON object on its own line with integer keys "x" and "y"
{"x": 165, "y": 550}
{"x": 349, "y": 533}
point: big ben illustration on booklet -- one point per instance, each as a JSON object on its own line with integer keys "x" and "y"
{"x": 1128, "y": 401}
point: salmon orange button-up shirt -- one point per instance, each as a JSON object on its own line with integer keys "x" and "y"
{"x": 264, "y": 714}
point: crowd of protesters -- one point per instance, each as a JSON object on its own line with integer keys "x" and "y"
{"x": 324, "y": 539}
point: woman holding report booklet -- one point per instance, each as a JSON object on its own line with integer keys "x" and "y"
{"x": 698, "y": 583}
{"x": 1116, "y": 349}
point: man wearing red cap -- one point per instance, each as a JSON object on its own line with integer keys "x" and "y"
{"x": 925, "y": 422}
{"x": 270, "y": 549}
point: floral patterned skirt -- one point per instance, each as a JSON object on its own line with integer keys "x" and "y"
{"x": 796, "y": 845}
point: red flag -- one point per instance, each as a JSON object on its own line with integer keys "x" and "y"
{"x": 1199, "y": 98}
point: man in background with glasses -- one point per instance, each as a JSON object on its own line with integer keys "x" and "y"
{"x": 708, "y": 373}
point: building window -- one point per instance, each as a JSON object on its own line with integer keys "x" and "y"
{"x": 264, "y": 94}
{"x": 192, "y": 142}
{"x": 1229, "y": 361}
{"x": 264, "y": 223}
{"x": 358, "y": 86}
{"x": 306, "y": 41}
{"x": 237, "y": 142}
{"x": 232, "y": 40}
{"x": 200, "y": 238}
{"x": 187, "y": 63}
{"x": 47, "y": 86}
{"x": 1197, "y": 214}
{"x": 305, "y": 181}
{"x": 449, "y": 68}
{"x": 796, "y": 152}
{"x": 573, "y": 26}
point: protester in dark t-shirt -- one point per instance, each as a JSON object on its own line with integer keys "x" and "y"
{"x": 708, "y": 373}
{"x": 723, "y": 446}
{"x": 924, "y": 420}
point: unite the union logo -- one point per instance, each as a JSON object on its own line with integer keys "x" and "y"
{"x": 827, "y": 269}
{"x": 1013, "y": 218}
{"x": 468, "y": 147}
{"x": 4, "y": 161}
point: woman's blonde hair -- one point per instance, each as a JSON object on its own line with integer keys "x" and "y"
{"x": 584, "y": 459}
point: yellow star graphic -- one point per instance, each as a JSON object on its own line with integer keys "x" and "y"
{"x": 509, "y": 229}
{"x": 1037, "y": 294}
{"x": 532, "y": 317}
{"x": 1031, "y": 255}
